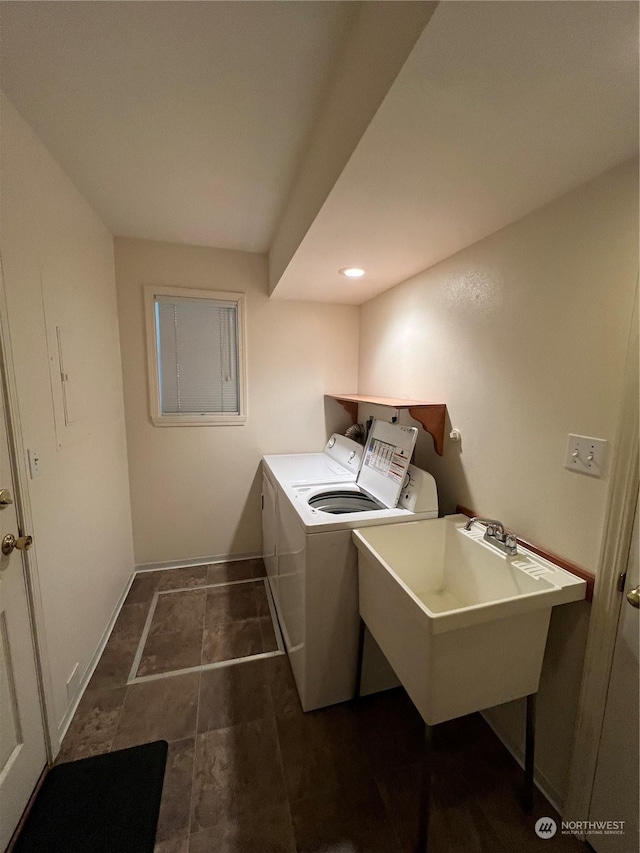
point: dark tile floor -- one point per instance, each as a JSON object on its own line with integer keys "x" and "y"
{"x": 249, "y": 772}
{"x": 207, "y": 624}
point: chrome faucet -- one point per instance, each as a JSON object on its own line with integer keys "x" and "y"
{"x": 495, "y": 535}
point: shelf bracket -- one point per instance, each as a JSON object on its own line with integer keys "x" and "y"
{"x": 350, "y": 407}
{"x": 432, "y": 420}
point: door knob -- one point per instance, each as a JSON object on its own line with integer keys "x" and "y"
{"x": 633, "y": 597}
{"x": 9, "y": 542}
{"x": 5, "y": 498}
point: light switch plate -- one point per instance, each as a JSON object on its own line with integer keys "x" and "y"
{"x": 586, "y": 455}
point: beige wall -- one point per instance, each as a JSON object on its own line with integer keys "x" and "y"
{"x": 523, "y": 335}
{"x": 58, "y": 271}
{"x": 195, "y": 491}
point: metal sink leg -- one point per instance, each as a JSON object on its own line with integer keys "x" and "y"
{"x": 358, "y": 690}
{"x": 425, "y": 792}
{"x": 529, "y": 753}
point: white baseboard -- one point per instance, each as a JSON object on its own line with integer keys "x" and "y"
{"x": 197, "y": 561}
{"x": 540, "y": 780}
{"x": 73, "y": 705}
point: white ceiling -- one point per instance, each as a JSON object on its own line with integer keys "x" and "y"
{"x": 188, "y": 121}
{"x": 501, "y": 107}
{"x": 179, "y": 121}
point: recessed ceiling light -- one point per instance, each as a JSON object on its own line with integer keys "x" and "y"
{"x": 352, "y": 272}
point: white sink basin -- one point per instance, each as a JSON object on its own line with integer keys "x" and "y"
{"x": 463, "y": 625}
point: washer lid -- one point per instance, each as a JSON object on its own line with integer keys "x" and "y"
{"x": 386, "y": 459}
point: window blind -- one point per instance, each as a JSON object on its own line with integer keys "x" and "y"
{"x": 197, "y": 356}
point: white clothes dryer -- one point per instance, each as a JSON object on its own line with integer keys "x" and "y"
{"x": 338, "y": 462}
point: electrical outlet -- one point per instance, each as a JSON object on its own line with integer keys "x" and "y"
{"x": 585, "y": 455}
{"x": 34, "y": 463}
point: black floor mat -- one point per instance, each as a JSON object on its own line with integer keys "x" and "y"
{"x": 104, "y": 804}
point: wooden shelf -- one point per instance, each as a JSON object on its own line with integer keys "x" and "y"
{"x": 430, "y": 415}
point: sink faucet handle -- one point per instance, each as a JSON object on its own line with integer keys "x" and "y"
{"x": 493, "y": 526}
{"x": 496, "y": 535}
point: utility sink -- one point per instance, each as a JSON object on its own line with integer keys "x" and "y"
{"x": 463, "y": 625}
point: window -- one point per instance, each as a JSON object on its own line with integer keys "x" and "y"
{"x": 196, "y": 357}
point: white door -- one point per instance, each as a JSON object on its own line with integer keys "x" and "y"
{"x": 22, "y": 741}
{"x": 615, "y": 794}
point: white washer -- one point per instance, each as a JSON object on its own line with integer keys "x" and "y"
{"x": 314, "y": 573}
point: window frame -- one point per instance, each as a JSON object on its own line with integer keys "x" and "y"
{"x": 155, "y": 408}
